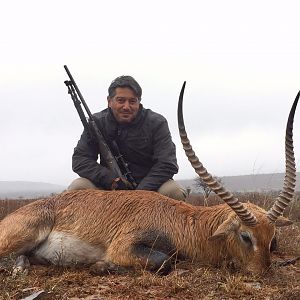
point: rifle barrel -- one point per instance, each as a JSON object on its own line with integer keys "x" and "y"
{"x": 78, "y": 92}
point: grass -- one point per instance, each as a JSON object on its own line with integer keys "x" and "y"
{"x": 264, "y": 200}
{"x": 197, "y": 282}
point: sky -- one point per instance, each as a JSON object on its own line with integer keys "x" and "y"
{"x": 240, "y": 60}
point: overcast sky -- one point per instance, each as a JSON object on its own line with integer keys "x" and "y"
{"x": 240, "y": 60}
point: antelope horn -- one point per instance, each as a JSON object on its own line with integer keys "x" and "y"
{"x": 243, "y": 213}
{"x": 287, "y": 193}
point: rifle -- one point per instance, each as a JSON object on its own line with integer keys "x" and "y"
{"x": 89, "y": 124}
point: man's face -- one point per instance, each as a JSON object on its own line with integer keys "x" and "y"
{"x": 124, "y": 105}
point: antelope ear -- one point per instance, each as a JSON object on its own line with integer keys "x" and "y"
{"x": 224, "y": 229}
{"x": 282, "y": 221}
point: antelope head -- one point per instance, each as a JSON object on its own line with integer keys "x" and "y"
{"x": 248, "y": 230}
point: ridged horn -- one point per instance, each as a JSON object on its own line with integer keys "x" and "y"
{"x": 242, "y": 212}
{"x": 287, "y": 193}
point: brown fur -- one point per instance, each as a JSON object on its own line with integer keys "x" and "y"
{"x": 129, "y": 228}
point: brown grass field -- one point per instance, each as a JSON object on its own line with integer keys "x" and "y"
{"x": 187, "y": 281}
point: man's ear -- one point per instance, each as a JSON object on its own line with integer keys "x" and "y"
{"x": 108, "y": 101}
{"x": 282, "y": 221}
{"x": 225, "y": 229}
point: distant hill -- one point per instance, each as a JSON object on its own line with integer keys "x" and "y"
{"x": 249, "y": 183}
{"x": 244, "y": 183}
{"x": 27, "y": 189}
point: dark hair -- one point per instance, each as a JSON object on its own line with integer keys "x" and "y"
{"x": 125, "y": 81}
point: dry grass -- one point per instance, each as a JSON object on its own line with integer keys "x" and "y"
{"x": 264, "y": 200}
{"x": 7, "y": 206}
{"x": 187, "y": 281}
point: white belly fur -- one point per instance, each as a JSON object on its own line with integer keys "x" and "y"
{"x": 63, "y": 249}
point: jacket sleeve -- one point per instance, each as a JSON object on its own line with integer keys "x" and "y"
{"x": 164, "y": 158}
{"x": 84, "y": 163}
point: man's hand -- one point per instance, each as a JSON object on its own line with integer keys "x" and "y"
{"x": 121, "y": 184}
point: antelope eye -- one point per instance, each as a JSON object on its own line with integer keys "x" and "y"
{"x": 246, "y": 238}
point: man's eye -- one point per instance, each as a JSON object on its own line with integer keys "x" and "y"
{"x": 133, "y": 101}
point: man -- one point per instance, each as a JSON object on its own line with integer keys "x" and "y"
{"x": 143, "y": 138}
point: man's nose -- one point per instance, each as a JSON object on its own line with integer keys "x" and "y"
{"x": 126, "y": 105}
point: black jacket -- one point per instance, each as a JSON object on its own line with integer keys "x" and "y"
{"x": 145, "y": 144}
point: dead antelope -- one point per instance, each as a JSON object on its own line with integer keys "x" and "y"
{"x": 113, "y": 229}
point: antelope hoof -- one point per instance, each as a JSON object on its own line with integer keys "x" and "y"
{"x": 21, "y": 266}
{"x": 106, "y": 268}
